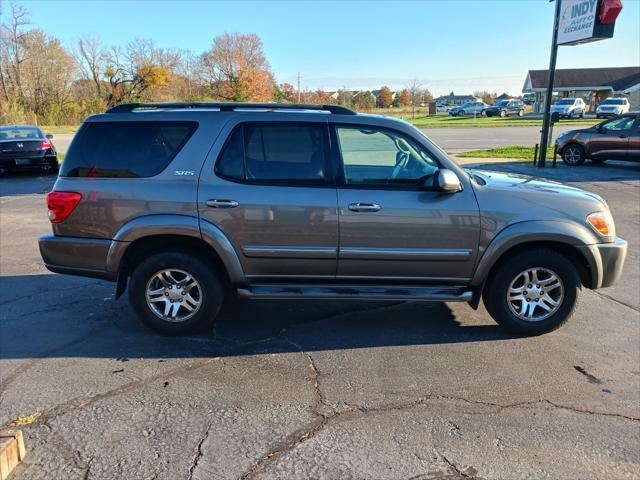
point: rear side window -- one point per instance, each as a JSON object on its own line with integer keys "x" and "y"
{"x": 125, "y": 149}
{"x": 275, "y": 152}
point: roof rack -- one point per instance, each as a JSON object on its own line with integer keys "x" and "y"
{"x": 228, "y": 106}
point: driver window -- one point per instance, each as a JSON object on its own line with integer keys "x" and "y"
{"x": 620, "y": 123}
{"x": 382, "y": 157}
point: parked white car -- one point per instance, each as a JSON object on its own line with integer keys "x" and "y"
{"x": 612, "y": 106}
{"x": 569, "y": 107}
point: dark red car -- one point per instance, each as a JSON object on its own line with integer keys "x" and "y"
{"x": 617, "y": 138}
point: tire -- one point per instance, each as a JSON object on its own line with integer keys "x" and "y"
{"x": 54, "y": 168}
{"x": 581, "y": 114}
{"x": 503, "y": 113}
{"x": 510, "y": 274}
{"x": 483, "y": 113}
{"x": 461, "y": 113}
{"x": 573, "y": 155}
{"x": 521, "y": 113}
{"x": 207, "y": 293}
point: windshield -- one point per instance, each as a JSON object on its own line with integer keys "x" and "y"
{"x": 567, "y": 101}
{"x": 502, "y": 103}
{"x": 20, "y": 133}
{"x": 613, "y": 101}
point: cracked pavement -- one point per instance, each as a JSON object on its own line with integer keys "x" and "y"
{"x": 316, "y": 389}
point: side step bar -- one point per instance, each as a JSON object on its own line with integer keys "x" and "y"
{"x": 356, "y": 292}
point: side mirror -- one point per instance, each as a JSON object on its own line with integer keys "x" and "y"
{"x": 448, "y": 182}
{"x": 49, "y": 136}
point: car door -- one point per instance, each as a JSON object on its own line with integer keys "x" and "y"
{"x": 633, "y": 148}
{"x": 610, "y": 140}
{"x": 270, "y": 189}
{"x": 393, "y": 223}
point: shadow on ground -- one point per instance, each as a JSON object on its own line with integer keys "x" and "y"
{"x": 55, "y": 321}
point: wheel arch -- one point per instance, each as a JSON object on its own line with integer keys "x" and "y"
{"x": 149, "y": 234}
{"x": 568, "y": 239}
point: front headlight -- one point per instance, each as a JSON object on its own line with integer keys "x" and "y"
{"x": 602, "y": 222}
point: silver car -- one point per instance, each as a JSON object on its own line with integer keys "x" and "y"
{"x": 186, "y": 204}
{"x": 471, "y": 108}
{"x": 569, "y": 108}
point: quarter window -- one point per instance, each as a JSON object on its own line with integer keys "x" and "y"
{"x": 275, "y": 153}
{"x": 383, "y": 158}
{"x": 125, "y": 149}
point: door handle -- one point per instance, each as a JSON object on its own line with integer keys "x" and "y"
{"x": 622, "y": 136}
{"x": 215, "y": 203}
{"x": 364, "y": 207}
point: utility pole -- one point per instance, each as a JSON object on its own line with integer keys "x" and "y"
{"x": 298, "y": 87}
{"x": 546, "y": 119}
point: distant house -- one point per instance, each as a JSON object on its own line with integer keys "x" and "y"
{"x": 504, "y": 96}
{"x": 456, "y": 99}
{"x": 591, "y": 84}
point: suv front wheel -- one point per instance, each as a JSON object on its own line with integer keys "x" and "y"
{"x": 532, "y": 292}
{"x": 175, "y": 293}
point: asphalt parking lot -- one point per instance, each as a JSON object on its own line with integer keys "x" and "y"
{"x": 316, "y": 389}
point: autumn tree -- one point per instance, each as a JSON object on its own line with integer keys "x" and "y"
{"x": 385, "y": 97}
{"x": 236, "y": 69}
{"x": 403, "y": 99}
{"x": 285, "y": 93}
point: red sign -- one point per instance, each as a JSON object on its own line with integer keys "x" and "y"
{"x": 609, "y": 11}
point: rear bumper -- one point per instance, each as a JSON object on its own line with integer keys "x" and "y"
{"x": 86, "y": 257}
{"x": 608, "y": 261}
{"x": 27, "y": 162}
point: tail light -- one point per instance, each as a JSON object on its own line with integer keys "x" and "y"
{"x": 45, "y": 145}
{"x": 61, "y": 204}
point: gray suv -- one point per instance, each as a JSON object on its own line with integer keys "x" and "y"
{"x": 185, "y": 204}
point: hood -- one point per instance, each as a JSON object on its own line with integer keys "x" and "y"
{"x": 494, "y": 107}
{"x": 526, "y": 184}
{"x": 561, "y": 107}
{"x": 528, "y": 198}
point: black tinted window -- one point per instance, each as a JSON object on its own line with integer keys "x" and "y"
{"x": 125, "y": 149}
{"x": 274, "y": 153}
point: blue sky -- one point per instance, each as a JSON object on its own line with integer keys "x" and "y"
{"x": 445, "y": 44}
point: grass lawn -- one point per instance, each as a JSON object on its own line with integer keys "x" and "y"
{"x": 438, "y": 121}
{"x": 53, "y": 129}
{"x": 512, "y": 151}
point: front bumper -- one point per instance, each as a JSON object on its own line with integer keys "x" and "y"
{"x": 86, "y": 257}
{"x": 607, "y": 261}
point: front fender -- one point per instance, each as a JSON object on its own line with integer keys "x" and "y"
{"x": 566, "y": 232}
{"x": 179, "y": 225}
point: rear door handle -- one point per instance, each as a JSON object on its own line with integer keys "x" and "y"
{"x": 364, "y": 207}
{"x": 215, "y": 203}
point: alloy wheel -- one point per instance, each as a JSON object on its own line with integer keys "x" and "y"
{"x": 173, "y": 295}
{"x": 535, "y": 294}
{"x": 572, "y": 155}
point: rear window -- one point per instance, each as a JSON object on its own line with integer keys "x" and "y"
{"x": 20, "y": 133}
{"x": 125, "y": 149}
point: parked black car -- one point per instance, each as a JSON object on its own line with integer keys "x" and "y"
{"x": 25, "y": 146}
{"x": 504, "y": 108}
{"x": 615, "y": 139}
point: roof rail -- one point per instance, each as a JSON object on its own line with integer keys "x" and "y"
{"x": 228, "y": 106}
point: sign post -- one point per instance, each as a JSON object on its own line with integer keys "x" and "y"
{"x": 575, "y": 22}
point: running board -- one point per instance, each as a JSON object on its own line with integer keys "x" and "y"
{"x": 356, "y": 292}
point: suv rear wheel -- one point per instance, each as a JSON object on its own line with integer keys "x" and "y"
{"x": 175, "y": 293}
{"x": 532, "y": 292}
